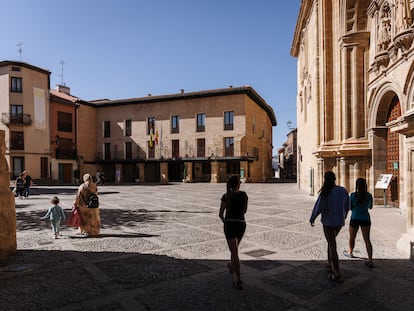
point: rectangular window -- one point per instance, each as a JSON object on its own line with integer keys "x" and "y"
{"x": 151, "y": 126}
{"x": 16, "y": 114}
{"x": 201, "y": 122}
{"x": 44, "y": 167}
{"x": 128, "y": 127}
{"x": 107, "y": 151}
{"x": 64, "y": 122}
{"x": 175, "y": 126}
{"x": 201, "y": 147}
{"x": 175, "y": 148}
{"x": 65, "y": 149}
{"x": 228, "y": 120}
{"x": 17, "y": 140}
{"x": 16, "y": 85}
{"x": 18, "y": 166}
{"x": 229, "y": 146}
{"x": 151, "y": 149}
{"x": 128, "y": 150}
{"x": 107, "y": 128}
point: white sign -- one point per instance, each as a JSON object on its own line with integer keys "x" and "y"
{"x": 383, "y": 181}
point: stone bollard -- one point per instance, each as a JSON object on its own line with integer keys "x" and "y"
{"x": 8, "y": 244}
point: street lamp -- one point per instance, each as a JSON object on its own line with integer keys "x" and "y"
{"x": 289, "y": 124}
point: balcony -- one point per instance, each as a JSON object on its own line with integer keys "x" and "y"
{"x": 16, "y": 118}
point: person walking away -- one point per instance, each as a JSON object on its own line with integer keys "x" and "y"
{"x": 91, "y": 222}
{"x": 232, "y": 210}
{"x": 360, "y": 203}
{"x": 20, "y": 185}
{"x": 333, "y": 206}
{"x": 56, "y": 215}
{"x": 28, "y": 181}
{"x": 98, "y": 178}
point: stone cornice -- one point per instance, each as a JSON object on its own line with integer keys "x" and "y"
{"x": 304, "y": 11}
{"x": 355, "y": 38}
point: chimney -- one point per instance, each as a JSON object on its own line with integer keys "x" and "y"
{"x": 63, "y": 89}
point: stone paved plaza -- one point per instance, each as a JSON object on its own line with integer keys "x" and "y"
{"x": 162, "y": 247}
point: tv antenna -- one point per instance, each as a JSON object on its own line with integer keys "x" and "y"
{"x": 20, "y": 50}
{"x": 61, "y": 74}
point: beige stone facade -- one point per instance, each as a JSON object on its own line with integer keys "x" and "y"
{"x": 355, "y": 97}
{"x": 24, "y": 107}
{"x": 206, "y": 136}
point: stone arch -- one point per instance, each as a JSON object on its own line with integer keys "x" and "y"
{"x": 380, "y": 103}
{"x": 409, "y": 90}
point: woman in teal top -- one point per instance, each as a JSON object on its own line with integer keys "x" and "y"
{"x": 360, "y": 202}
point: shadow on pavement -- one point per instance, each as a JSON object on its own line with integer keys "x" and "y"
{"x": 74, "y": 280}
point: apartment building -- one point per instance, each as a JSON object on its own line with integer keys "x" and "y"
{"x": 24, "y": 107}
{"x": 64, "y": 166}
{"x": 195, "y": 137}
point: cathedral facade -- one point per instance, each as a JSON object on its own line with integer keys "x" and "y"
{"x": 355, "y": 98}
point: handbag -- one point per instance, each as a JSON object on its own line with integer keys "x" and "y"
{"x": 75, "y": 219}
{"x": 93, "y": 201}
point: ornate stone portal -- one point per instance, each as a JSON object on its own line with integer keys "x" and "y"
{"x": 8, "y": 244}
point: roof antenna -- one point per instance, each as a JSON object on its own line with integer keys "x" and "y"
{"x": 61, "y": 75}
{"x": 20, "y": 49}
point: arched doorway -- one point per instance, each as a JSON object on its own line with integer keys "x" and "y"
{"x": 393, "y": 153}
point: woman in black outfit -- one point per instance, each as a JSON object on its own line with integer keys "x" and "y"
{"x": 234, "y": 204}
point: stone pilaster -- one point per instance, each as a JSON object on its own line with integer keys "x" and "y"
{"x": 164, "y": 173}
{"x": 8, "y": 244}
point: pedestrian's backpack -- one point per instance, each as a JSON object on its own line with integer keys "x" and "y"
{"x": 93, "y": 200}
{"x": 19, "y": 183}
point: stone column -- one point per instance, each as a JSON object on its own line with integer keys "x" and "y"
{"x": 8, "y": 244}
{"x": 141, "y": 167}
{"x": 214, "y": 172}
{"x": 378, "y": 139}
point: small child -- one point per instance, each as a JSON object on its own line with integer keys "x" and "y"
{"x": 56, "y": 215}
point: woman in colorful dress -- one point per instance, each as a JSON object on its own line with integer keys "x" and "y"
{"x": 91, "y": 221}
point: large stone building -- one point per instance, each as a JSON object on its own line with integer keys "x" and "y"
{"x": 355, "y": 97}
{"x": 195, "y": 136}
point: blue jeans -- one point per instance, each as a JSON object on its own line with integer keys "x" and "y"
{"x": 56, "y": 226}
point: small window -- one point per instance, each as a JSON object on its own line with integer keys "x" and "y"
{"x": 151, "y": 126}
{"x": 201, "y": 122}
{"x": 201, "y": 147}
{"x": 151, "y": 150}
{"x": 229, "y": 146}
{"x": 175, "y": 148}
{"x": 128, "y": 150}
{"x": 128, "y": 128}
{"x": 228, "y": 120}
{"x": 17, "y": 140}
{"x": 16, "y": 114}
{"x": 64, "y": 122}
{"x": 175, "y": 126}
{"x": 107, "y": 128}
{"x": 14, "y": 68}
{"x": 16, "y": 85}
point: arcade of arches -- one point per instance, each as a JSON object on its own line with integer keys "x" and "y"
{"x": 355, "y": 98}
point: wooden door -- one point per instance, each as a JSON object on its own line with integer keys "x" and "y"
{"x": 393, "y": 154}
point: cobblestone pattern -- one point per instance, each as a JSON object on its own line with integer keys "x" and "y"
{"x": 162, "y": 248}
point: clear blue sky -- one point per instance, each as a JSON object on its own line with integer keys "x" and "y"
{"x": 128, "y": 48}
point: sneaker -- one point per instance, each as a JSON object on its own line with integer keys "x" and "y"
{"x": 347, "y": 254}
{"x": 238, "y": 284}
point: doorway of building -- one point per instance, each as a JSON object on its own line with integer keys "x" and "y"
{"x": 65, "y": 173}
{"x": 393, "y": 154}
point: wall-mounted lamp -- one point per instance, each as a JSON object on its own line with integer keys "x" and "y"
{"x": 56, "y": 141}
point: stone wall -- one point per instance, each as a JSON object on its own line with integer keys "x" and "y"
{"x": 8, "y": 244}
